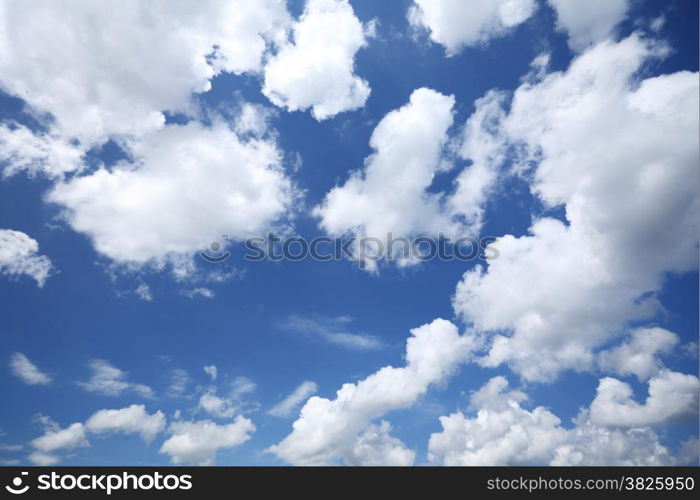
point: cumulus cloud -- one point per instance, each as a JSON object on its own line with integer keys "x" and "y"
{"x": 316, "y": 68}
{"x": 327, "y": 430}
{"x": 589, "y": 22}
{"x": 408, "y": 145}
{"x": 455, "y": 24}
{"x": 35, "y": 154}
{"x": 376, "y": 447}
{"x": 613, "y": 149}
{"x": 27, "y": 371}
{"x": 109, "y": 380}
{"x": 672, "y": 396}
{"x": 132, "y": 419}
{"x": 186, "y": 186}
{"x": 19, "y": 256}
{"x": 53, "y": 56}
{"x": 290, "y": 403}
{"x": 503, "y": 432}
{"x": 54, "y": 440}
{"x": 637, "y": 355}
{"x": 198, "y": 441}
{"x": 333, "y": 330}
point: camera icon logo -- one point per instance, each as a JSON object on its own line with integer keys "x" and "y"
{"x": 16, "y": 487}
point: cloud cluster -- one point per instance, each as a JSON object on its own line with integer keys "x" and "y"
{"x": 75, "y": 61}
{"x": 329, "y": 430}
{"x": 628, "y": 186}
{"x": 503, "y": 432}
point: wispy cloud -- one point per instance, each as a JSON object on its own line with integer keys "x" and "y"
{"x": 27, "y": 371}
{"x": 333, "y": 330}
{"x": 285, "y": 407}
{"x": 111, "y": 381}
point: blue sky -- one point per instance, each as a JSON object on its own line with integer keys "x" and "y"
{"x": 602, "y": 300}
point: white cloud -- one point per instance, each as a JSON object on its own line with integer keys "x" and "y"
{"x": 217, "y": 406}
{"x": 672, "y": 396}
{"x": 613, "y": 150}
{"x": 637, "y": 355}
{"x": 144, "y": 292}
{"x": 109, "y": 380}
{"x": 27, "y": 371}
{"x": 376, "y": 447}
{"x": 179, "y": 383}
{"x": 333, "y": 330}
{"x": 22, "y": 150}
{"x": 56, "y": 439}
{"x": 198, "y": 441}
{"x": 504, "y": 433}
{"x": 290, "y": 403}
{"x": 456, "y": 24}
{"x": 73, "y": 60}
{"x": 228, "y": 406}
{"x": 187, "y": 185}
{"x": 207, "y": 293}
{"x": 129, "y": 420}
{"x": 18, "y": 256}
{"x": 327, "y": 430}
{"x": 407, "y": 146}
{"x": 316, "y": 69}
{"x": 211, "y": 371}
{"x": 590, "y": 21}
{"x": 43, "y": 459}
{"x": 501, "y": 433}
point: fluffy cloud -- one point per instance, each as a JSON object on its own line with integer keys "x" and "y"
{"x": 454, "y": 24}
{"x": 327, "y": 430}
{"x": 285, "y": 407}
{"x": 73, "y": 60}
{"x": 22, "y": 150}
{"x": 590, "y": 21}
{"x": 109, "y": 380}
{"x": 501, "y": 433}
{"x": 637, "y": 355}
{"x": 316, "y": 69}
{"x": 376, "y": 447}
{"x": 18, "y": 256}
{"x": 672, "y": 396}
{"x": 620, "y": 154}
{"x": 27, "y": 371}
{"x": 504, "y": 433}
{"x": 198, "y": 441}
{"x": 187, "y": 186}
{"x": 133, "y": 419}
{"x": 55, "y": 440}
{"x": 407, "y": 145}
